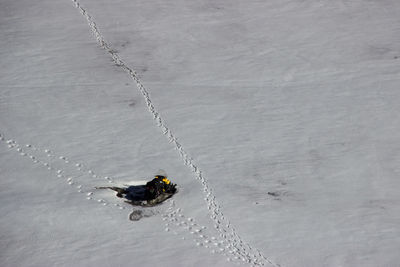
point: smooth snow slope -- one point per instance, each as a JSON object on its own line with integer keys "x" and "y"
{"x": 295, "y": 98}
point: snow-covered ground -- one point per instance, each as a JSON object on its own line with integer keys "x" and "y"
{"x": 288, "y": 109}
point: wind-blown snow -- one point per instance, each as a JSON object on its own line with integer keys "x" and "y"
{"x": 288, "y": 109}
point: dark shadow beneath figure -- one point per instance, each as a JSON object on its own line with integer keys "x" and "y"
{"x": 137, "y": 195}
{"x": 132, "y": 193}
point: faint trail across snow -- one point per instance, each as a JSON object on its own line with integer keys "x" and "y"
{"x": 237, "y": 247}
{"x": 73, "y": 173}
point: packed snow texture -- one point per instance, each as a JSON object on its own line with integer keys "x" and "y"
{"x": 279, "y": 124}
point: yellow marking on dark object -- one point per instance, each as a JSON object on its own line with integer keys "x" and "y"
{"x": 165, "y": 180}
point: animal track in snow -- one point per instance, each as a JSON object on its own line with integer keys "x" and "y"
{"x": 47, "y": 159}
{"x": 222, "y": 224}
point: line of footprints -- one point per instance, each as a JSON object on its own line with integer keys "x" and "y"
{"x": 237, "y": 248}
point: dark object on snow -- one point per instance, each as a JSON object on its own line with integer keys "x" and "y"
{"x": 158, "y": 186}
{"x": 154, "y": 192}
{"x": 136, "y": 215}
{"x": 274, "y": 194}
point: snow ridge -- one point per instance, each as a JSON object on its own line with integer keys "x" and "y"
{"x": 239, "y": 248}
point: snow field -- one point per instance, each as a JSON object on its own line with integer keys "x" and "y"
{"x": 289, "y": 109}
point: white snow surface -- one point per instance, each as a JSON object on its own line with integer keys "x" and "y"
{"x": 287, "y": 113}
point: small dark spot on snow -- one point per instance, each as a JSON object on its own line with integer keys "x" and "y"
{"x": 127, "y": 84}
{"x": 132, "y": 104}
{"x": 274, "y": 194}
{"x": 396, "y": 57}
